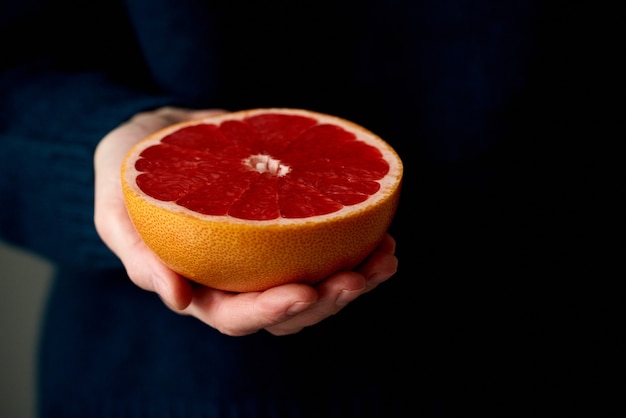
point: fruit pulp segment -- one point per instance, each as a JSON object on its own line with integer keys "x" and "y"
{"x": 261, "y": 168}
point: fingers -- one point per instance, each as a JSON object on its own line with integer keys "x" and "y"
{"x": 338, "y": 291}
{"x": 238, "y": 314}
{"x": 110, "y": 216}
{"x": 144, "y": 123}
{"x": 141, "y": 264}
{"x": 381, "y": 264}
{"x": 387, "y": 245}
{"x": 149, "y": 273}
{"x": 290, "y": 308}
{"x": 334, "y": 294}
{"x": 281, "y": 310}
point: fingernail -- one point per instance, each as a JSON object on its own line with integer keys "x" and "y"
{"x": 298, "y": 307}
{"x": 374, "y": 276}
{"x": 375, "y": 279}
{"x": 347, "y": 296}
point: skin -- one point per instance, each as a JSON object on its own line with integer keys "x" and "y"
{"x": 281, "y": 310}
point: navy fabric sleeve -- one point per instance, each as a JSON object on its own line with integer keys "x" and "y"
{"x": 50, "y": 124}
{"x": 77, "y": 72}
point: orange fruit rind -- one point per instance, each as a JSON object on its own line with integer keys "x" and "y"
{"x": 243, "y": 255}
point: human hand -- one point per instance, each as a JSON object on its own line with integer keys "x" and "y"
{"x": 281, "y": 310}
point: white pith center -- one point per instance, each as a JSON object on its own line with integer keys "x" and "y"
{"x": 266, "y": 164}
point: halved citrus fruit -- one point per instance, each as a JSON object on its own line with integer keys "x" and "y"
{"x": 248, "y": 200}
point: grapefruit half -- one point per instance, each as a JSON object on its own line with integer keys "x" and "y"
{"x": 248, "y": 200}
